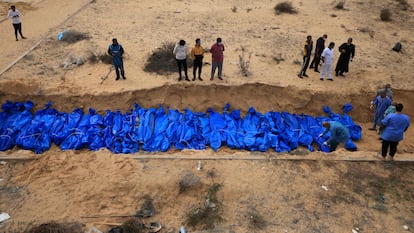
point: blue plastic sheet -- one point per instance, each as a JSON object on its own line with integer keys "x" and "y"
{"x": 160, "y": 129}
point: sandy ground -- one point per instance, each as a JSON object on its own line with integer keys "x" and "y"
{"x": 64, "y": 186}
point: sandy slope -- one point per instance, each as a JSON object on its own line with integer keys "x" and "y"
{"x": 141, "y": 27}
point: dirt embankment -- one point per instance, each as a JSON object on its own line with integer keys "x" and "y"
{"x": 198, "y": 98}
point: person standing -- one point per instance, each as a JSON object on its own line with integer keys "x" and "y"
{"x": 387, "y": 89}
{"x": 388, "y": 111}
{"x": 217, "y": 58}
{"x": 180, "y": 51}
{"x": 117, "y": 51}
{"x": 338, "y": 134}
{"x": 15, "y": 15}
{"x": 327, "y": 58}
{"x": 307, "y": 50}
{"x": 347, "y": 51}
{"x": 197, "y": 54}
{"x": 320, "y": 46}
{"x": 394, "y": 125}
{"x": 381, "y": 103}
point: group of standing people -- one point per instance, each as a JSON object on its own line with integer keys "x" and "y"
{"x": 392, "y": 123}
{"x": 388, "y": 116}
{"x": 197, "y": 54}
{"x": 326, "y": 55}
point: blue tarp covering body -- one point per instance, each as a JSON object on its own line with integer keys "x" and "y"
{"x": 159, "y": 129}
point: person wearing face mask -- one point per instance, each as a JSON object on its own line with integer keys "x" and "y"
{"x": 217, "y": 58}
{"x": 320, "y": 46}
{"x": 197, "y": 54}
{"x": 387, "y": 89}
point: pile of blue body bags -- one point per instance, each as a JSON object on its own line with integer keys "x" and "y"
{"x": 161, "y": 129}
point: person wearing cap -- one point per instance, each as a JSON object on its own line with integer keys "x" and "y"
{"x": 347, "y": 51}
{"x": 197, "y": 54}
{"x": 307, "y": 51}
{"x": 15, "y": 16}
{"x": 217, "y": 58}
{"x": 381, "y": 103}
{"x": 116, "y": 51}
{"x": 180, "y": 51}
{"x": 338, "y": 134}
{"x": 394, "y": 125}
{"x": 319, "y": 48}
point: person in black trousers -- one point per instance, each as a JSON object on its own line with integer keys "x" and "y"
{"x": 320, "y": 46}
{"x": 347, "y": 51}
{"x": 307, "y": 50}
{"x": 15, "y": 16}
{"x": 197, "y": 54}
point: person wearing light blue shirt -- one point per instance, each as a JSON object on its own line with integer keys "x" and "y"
{"x": 394, "y": 125}
{"x": 381, "y": 103}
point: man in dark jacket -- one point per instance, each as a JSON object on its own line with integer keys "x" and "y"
{"x": 347, "y": 51}
{"x": 320, "y": 46}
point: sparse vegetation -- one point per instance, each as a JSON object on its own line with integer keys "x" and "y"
{"x": 244, "y": 63}
{"x": 234, "y": 9}
{"x": 208, "y": 214}
{"x": 147, "y": 205}
{"x": 133, "y": 225}
{"x": 284, "y": 7}
{"x": 54, "y": 227}
{"x": 404, "y": 4}
{"x": 367, "y": 30}
{"x": 256, "y": 220}
{"x": 340, "y": 5}
{"x": 297, "y": 62}
{"x": 102, "y": 57}
{"x": 278, "y": 58}
{"x": 188, "y": 181}
{"x": 73, "y": 36}
{"x": 72, "y": 61}
{"x": 162, "y": 61}
{"x": 211, "y": 174}
{"x": 385, "y": 14}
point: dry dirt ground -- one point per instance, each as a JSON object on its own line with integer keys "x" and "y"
{"x": 260, "y": 192}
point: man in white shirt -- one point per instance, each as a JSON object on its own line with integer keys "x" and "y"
{"x": 15, "y": 15}
{"x": 180, "y": 51}
{"x": 327, "y": 58}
